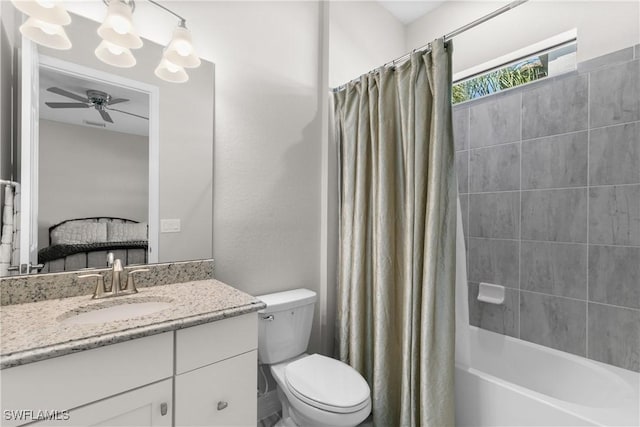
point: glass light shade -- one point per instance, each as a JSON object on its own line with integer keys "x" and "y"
{"x": 44, "y": 10}
{"x": 171, "y": 72}
{"x": 45, "y": 34}
{"x": 115, "y": 55}
{"x": 180, "y": 50}
{"x": 117, "y": 27}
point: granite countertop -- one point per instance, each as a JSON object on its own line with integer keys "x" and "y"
{"x": 33, "y": 331}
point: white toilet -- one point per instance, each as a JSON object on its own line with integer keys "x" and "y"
{"x": 314, "y": 390}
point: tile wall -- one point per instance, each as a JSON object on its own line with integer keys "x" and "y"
{"x": 549, "y": 180}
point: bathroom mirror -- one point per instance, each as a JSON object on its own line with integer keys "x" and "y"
{"x": 167, "y": 186}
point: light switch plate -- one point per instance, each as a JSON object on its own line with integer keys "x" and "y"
{"x": 170, "y": 225}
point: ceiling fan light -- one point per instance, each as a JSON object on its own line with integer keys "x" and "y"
{"x": 48, "y": 11}
{"x": 46, "y": 34}
{"x": 115, "y": 55}
{"x": 117, "y": 26}
{"x": 170, "y": 72}
{"x": 180, "y": 50}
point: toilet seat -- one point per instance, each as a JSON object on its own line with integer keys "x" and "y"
{"x": 327, "y": 384}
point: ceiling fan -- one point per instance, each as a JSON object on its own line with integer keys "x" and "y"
{"x": 99, "y": 100}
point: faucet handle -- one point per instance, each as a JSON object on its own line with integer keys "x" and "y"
{"x": 99, "y": 292}
{"x": 131, "y": 285}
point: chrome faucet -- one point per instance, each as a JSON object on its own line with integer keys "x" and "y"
{"x": 116, "y": 282}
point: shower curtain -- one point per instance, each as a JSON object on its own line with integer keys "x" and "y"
{"x": 396, "y": 322}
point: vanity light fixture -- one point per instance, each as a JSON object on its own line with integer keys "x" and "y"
{"x": 180, "y": 49}
{"x": 45, "y": 23}
{"x": 117, "y": 27}
{"x": 170, "y": 72}
{"x": 115, "y": 55}
{"x": 47, "y": 18}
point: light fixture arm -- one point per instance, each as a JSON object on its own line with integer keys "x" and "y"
{"x": 183, "y": 22}
{"x": 132, "y": 4}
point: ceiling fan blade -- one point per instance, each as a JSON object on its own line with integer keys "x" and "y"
{"x": 117, "y": 101}
{"x": 68, "y": 94}
{"x": 126, "y": 112}
{"x": 105, "y": 116}
{"x": 66, "y": 105}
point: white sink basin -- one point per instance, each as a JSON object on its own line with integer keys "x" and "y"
{"x": 124, "y": 310}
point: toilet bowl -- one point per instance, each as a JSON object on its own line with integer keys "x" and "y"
{"x": 314, "y": 390}
{"x": 321, "y": 391}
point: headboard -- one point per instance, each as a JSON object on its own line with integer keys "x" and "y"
{"x": 107, "y": 219}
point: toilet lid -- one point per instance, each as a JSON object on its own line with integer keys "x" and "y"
{"x": 327, "y": 384}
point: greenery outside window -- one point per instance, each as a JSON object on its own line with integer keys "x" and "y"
{"x": 553, "y": 61}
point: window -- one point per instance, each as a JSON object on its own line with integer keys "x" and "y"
{"x": 553, "y": 61}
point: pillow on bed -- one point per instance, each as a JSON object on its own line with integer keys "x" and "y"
{"x": 77, "y": 232}
{"x": 126, "y": 232}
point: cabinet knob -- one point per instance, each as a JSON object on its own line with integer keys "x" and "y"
{"x": 163, "y": 409}
{"x": 222, "y": 404}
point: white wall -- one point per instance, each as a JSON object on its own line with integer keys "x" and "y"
{"x": 90, "y": 172}
{"x": 363, "y": 36}
{"x": 603, "y": 27}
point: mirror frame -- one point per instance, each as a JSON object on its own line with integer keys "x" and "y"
{"x": 153, "y": 92}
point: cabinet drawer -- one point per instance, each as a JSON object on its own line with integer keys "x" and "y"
{"x": 66, "y": 382}
{"x": 209, "y": 343}
{"x": 222, "y": 394}
{"x": 146, "y": 406}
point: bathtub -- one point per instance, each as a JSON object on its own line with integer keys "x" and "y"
{"x": 510, "y": 382}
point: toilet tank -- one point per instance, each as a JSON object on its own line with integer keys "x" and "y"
{"x": 285, "y": 325}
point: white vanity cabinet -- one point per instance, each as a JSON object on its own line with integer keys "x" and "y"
{"x": 201, "y": 375}
{"x": 216, "y": 378}
{"x": 143, "y": 407}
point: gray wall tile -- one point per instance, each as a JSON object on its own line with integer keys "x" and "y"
{"x": 495, "y": 121}
{"x": 494, "y": 215}
{"x": 615, "y": 94}
{"x": 557, "y": 107}
{"x": 495, "y": 168}
{"x": 556, "y": 215}
{"x": 614, "y": 275}
{"x": 502, "y": 319}
{"x": 621, "y": 55}
{"x": 614, "y": 215}
{"x": 614, "y": 155}
{"x": 461, "y": 128}
{"x": 558, "y": 151}
{"x": 462, "y": 169}
{"x": 494, "y": 261}
{"x": 464, "y": 208}
{"x": 614, "y": 336}
{"x": 554, "y": 268}
{"x": 554, "y": 322}
{"x": 555, "y": 162}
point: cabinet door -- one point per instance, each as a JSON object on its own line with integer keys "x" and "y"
{"x": 146, "y": 406}
{"x": 221, "y": 394}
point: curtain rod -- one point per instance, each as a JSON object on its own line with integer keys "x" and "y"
{"x": 447, "y": 37}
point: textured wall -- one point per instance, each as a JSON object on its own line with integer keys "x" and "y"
{"x": 549, "y": 176}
